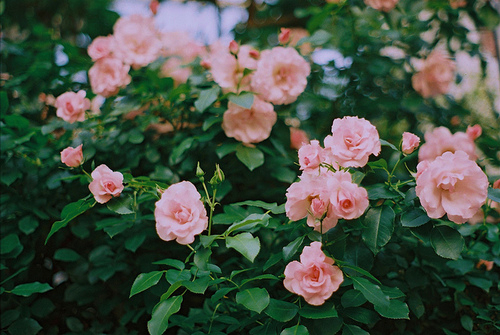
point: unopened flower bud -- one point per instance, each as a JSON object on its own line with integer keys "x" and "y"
{"x": 199, "y": 172}
{"x": 284, "y": 36}
{"x": 218, "y": 176}
{"x": 474, "y": 131}
{"x": 206, "y": 64}
{"x": 234, "y": 47}
{"x": 153, "y": 6}
{"x": 254, "y": 54}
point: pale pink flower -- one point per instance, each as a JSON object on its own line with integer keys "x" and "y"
{"x": 311, "y": 156}
{"x": 105, "y": 184}
{"x": 281, "y": 75}
{"x": 452, "y": 184}
{"x": 101, "y": 47}
{"x": 249, "y": 125}
{"x": 182, "y": 45}
{"x": 296, "y": 34}
{"x": 284, "y": 36}
{"x": 474, "y": 131}
{"x": 71, "y": 106}
{"x": 176, "y": 69}
{"x": 298, "y": 137}
{"x": 382, "y": 5}
{"x": 352, "y": 142}
{"x": 108, "y": 75}
{"x": 137, "y": 40}
{"x": 315, "y": 278}
{"x": 72, "y": 157}
{"x": 441, "y": 140}
{"x": 234, "y": 47}
{"x": 349, "y": 201}
{"x": 410, "y": 142}
{"x": 180, "y": 213}
{"x": 436, "y": 75}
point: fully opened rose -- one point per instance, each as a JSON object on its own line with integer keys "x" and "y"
{"x": 180, "y": 214}
{"x": 108, "y": 75}
{"x": 441, "y": 140}
{"x": 315, "y": 278}
{"x": 71, "y": 106}
{"x": 105, "y": 184}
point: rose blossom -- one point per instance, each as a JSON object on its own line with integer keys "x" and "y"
{"x": 71, "y": 106}
{"x": 440, "y": 140}
{"x": 410, "y": 142}
{"x": 298, "y": 137}
{"x": 137, "y": 40}
{"x": 180, "y": 214}
{"x": 349, "y": 201}
{"x": 105, "y": 184}
{"x": 382, "y": 5}
{"x": 315, "y": 278}
{"x": 176, "y": 69}
{"x": 458, "y": 3}
{"x": 108, "y": 75}
{"x": 72, "y": 157}
{"x": 249, "y": 125}
{"x": 281, "y": 75}
{"x": 487, "y": 264}
{"x": 101, "y": 47}
{"x": 474, "y": 131}
{"x": 352, "y": 142}
{"x": 311, "y": 156}
{"x": 452, "y": 184}
{"x": 436, "y": 75}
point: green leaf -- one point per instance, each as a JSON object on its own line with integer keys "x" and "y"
{"x": 387, "y": 144}
{"x": 319, "y": 37}
{"x": 380, "y": 191}
{"x": 372, "y": 292}
{"x": 161, "y": 313}
{"x": 179, "y": 150}
{"x": 352, "y": 298}
{"x": 467, "y": 322}
{"x": 249, "y": 222}
{"x": 28, "y": 225}
{"x": 281, "y": 310}
{"x": 201, "y": 258}
{"x": 121, "y": 205}
{"x": 145, "y": 281}
{"x": 414, "y": 218}
{"x": 494, "y": 194}
{"x": 245, "y": 244}
{"x": 379, "y": 226}
{"x": 206, "y": 98}
{"x": 396, "y": 309}
{"x": 274, "y": 208}
{"x": 295, "y": 330}
{"x": 25, "y": 326}
{"x": 378, "y": 164}
{"x": 199, "y": 286}
{"x": 133, "y": 242}
{"x": 362, "y": 315}
{"x": 353, "y": 330}
{"x": 28, "y": 289}
{"x": 69, "y": 212}
{"x": 175, "y": 263}
{"x": 66, "y": 255}
{"x": 4, "y": 102}
{"x": 255, "y": 299}
{"x": 226, "y": 149}
{"x": 291, "y": 248}
{"x": 251, "y": 157}
{"x": 244, "y": 99}
{"x": 9, "y": 243}
{"x": 447, "y": 242}
{"x": 325, "y": 311}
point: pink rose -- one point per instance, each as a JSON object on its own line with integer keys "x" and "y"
{"x": 101, "y": 47}
{"x": 474, "y": 131}
{"x": 382, "y": 5}
{"x": 410, "y": 142}
{"x": 296, "y": 34}
{"x": 298, "y": 137}
{"x": 108, "y": 75}
{"x": 72, "y": 157}
{"x": 352, "y": 142}
{"x": 452, "y": 184}
{"x": 137, "y": 40}
{"x": 180, "y": 214}
{"x": 175, "y": 69}
{"x": 281, "y": 75}
{"x": 349, "y": 201}
{"x": 436, "y": 75}
{"x": 458, "y": 3}
{"x": 249, "y": 125}
{"x": 105, "y": 184}
{"x": 311, "y": 156}
{"x": 181, "y": 45}
{"x": 440, "y": 140}
{"x": 284, "y": 36}
{"x": 153, "y": 6}
{"x": 496, "y": 184}
{"x": 315, "y": 278}
{"x": 71, "y": 106}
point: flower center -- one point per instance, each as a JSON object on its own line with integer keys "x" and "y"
{"x": 69, "y": 107}
{"x": 109, "y": 186}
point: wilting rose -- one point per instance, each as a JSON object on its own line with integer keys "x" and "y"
{"x": 249, "y": 125}
{"x": 105, "y": 184}
{"x": 71, "y": 106}
{"x": 382, "y": 5}
{"x": 436, "y": 75}
{"x": 180, "y": 213}
{"x": 72, "y": 157}
{"x": 108, "y": 75}
{"x": 352, "y": 142}
{"x": 410, "y": 142}
{"x": 452, "y": 184}
{"x": 474, "y": 131}
{"x": 348, "y": 200}
{"x": 441, "y": 140}
{"x": 311, "y": 156}
{"x": 101, "y": 47}
{"x": 281, "y": 75}
{"x": 315, "y": 278}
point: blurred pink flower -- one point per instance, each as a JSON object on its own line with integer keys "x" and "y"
{"x": 452, "y": 184}
{"x": 315, "y": 278}
{"x": 281, "y": 75}
{"x": 108, "y": 75}
{"x": 474, "y": 131}
{"x": 176, "y": 69}
{"x": 105, "y": 184}
{"x": 458, "y": 3}
{"x": 71, "y": 106}
{"x": 249, "y": 125}
{"x": 72, "y": 157}
{"x": 382, "y": 5}
{"x": 352, "y": 142}
{"x": 101, "y": 47}
{"x": 298, "y": 137}
{"x": 284, "y": 36}
{"x": 441, "y": 140}
{"x": 180, "y": 214}
{"x": 182, "y": 45}
{"x": 436, "y": 75}
{"x": 410, "y": 143}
